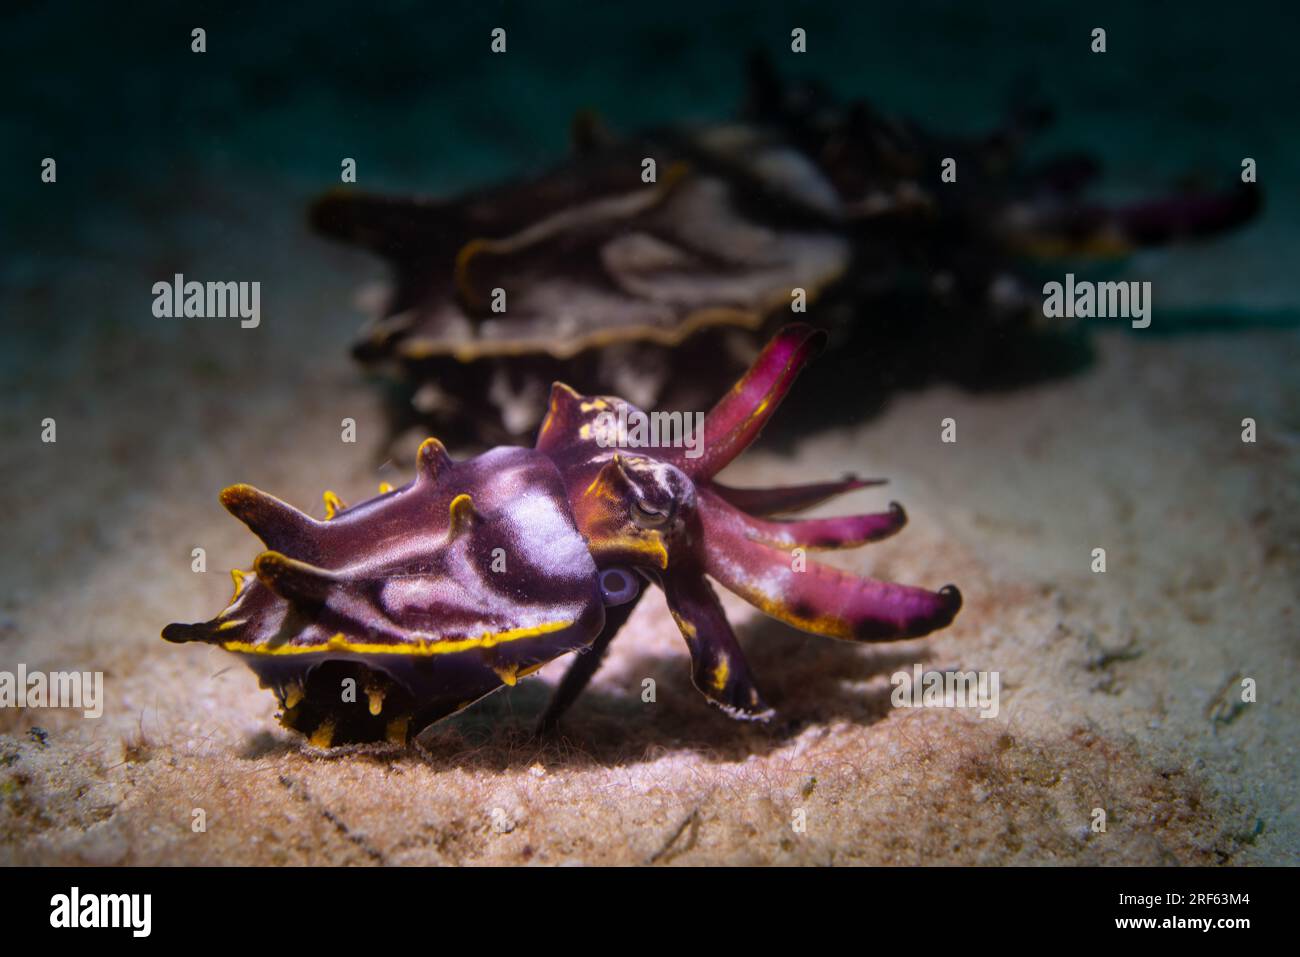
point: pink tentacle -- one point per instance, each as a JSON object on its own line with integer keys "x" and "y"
{"x": 1159, "y": 221}
{"x": 815, "y": 597}
{"x": 718, "y": 666}
{"x": 741, "y": 414}
{"x": 788, "y": 499}
{"x": 845, "y": 531}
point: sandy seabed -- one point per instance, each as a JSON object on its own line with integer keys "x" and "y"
{"x": 1119, "y": 691}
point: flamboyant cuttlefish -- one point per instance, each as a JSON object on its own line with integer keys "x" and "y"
{"x": 428, "y": 597}
{"x": 660, "y": 282}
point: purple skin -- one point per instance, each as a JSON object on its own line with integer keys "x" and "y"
{"x": 477, "y": 573}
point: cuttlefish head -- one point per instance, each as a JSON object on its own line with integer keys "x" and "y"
{"x": 654, "y": 506}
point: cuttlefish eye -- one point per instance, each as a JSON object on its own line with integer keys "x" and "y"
{"x": 618, "y": 586}
{"x": 649, "y": 517}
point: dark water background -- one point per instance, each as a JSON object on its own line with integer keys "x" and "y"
{"x": 148, "y": 135}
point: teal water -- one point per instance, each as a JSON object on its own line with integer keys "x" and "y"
{"x": 412, "y": 91}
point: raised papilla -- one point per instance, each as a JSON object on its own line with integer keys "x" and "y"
{"x": 477, "y": 573}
